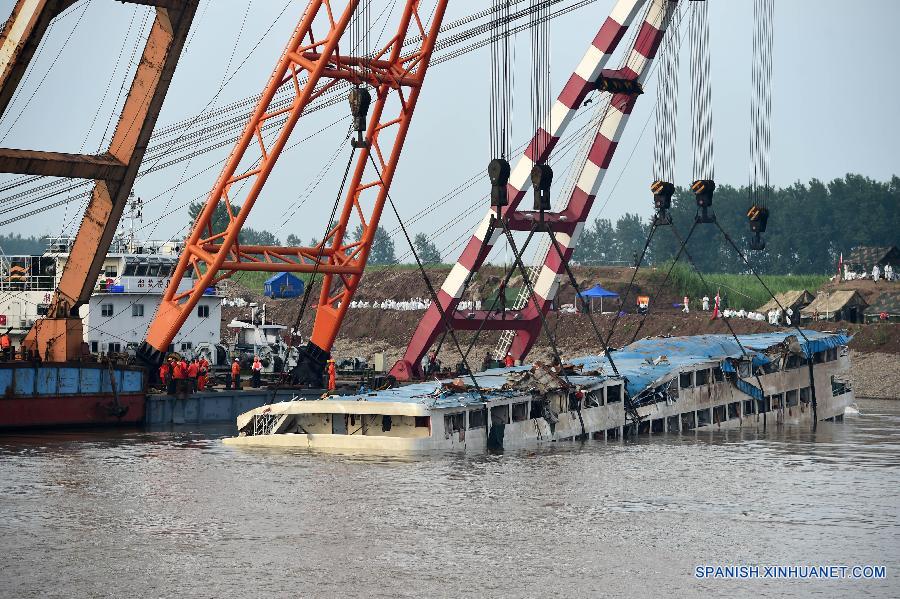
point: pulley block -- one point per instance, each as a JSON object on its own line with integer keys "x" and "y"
{"x": 498, "y": 172}
{"x": 541, "y": 179}
{"x": 703, "y": 191}
{"x": 758, "y": 217}
{"x": 360, "y": 100}
{"x": 662, "y": 201}
{"x": 619, "y": 85}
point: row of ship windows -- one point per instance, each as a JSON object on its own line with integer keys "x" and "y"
{"x": 137, "y": 311}
{"x": 525, "y": 410}
{"x": 698, "y": 378}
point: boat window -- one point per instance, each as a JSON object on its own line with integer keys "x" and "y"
{"x": 455, "y": 422}
{"x": 500, "y": 415}
{"x": 793, "y": 361}
{"x": 839, "y": 386}
{"x": 792, "y": 398}
{"x": 688, "y": 421}
{"x": 520, "y": 411}
{"x": 423, "y": 421}
{"x": 386, "y": 423}
{"x": 537, "y": 409}
{"x": 763, "y": 405}
{"x": 106, "y": 310}
{"x": 685, "y": 380}
{"x": 153, "y": 270}
{"x": 658, "y": 426}
{"x": 703, "y": 417}
{"x": 805, "y": 395}
{"x": 748, "y": 407}
{"x": 613, "y": 393}
{"x": 744, "y": 369}
{"x": 338, "y": 424}
{"x": 720, "y": 413}
{"x": 593, "y": 399}
{"x": 776, "y": 401}
{"x": 701, "y": 377}
{"x": 130, "y": 269}
{"x": 819, "y": 357}
{"x": 476, "y": 419}
{"x": 718, "y": 375}
{"x": 141, "y": 270}
{"x": 734, "y": 410}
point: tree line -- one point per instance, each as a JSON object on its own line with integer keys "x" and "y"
{"x": 809, "y": 226}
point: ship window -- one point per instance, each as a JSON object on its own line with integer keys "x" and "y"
{"x": 718, "y": 374}
{"x": 43, "y": 309}
{"x": 792, "y": 398}
{"x": 141, "y": 270}
{"x": 805, "y": 395}
{"x": 658, "y": 425}
{"x": 423, "y": 421}
{"x": 720, "y": 413}
{"x": 137, "y": 310}
{"x": 748, "y": 407}
{"x": 500, "y": 415}
{"x": 688, "y": 421}
{"x": 744, "y": 369}
{"x": 776, "y": 401}
{"x": 537, "y": 409}
{"x": 593, "y": 399}
{"x": 203, "y": 311}
{"x": 685, "y": 380}
{"x": 476, "y": 419}
{"x": 106, "y": 310}
{"x": 702, "y": 377}
{"x": 130, "y": 269}
{"x": 734, "y": 410}
{"x": 185, "y": 345}
{"x": 520, "y": 411}
{"x": 153, "y": 270}
{"x": 455, "y": 422}
{"x": 839, "y": 387}
{"x": 115, "y": 347}
{"x": 819, "y": 357}
{"x": 703, "y": 417}
{"x": 111, "y": 272}
{"x": 95, "y": 347}
{"x": 613, "y": 393}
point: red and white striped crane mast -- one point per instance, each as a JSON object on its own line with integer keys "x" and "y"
{"x": 591, "y": 74}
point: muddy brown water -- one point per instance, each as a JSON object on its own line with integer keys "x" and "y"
{"x": 177, "y": 514}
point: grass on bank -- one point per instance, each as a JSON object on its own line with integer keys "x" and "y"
{"x": 744, "y": 291}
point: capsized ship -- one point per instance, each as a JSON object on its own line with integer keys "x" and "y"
{"x": 663, "y": 385}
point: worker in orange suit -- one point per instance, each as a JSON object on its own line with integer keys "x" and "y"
{"x": 165, "y": 371}
{"x": 236, "y": 374}
{"x": 5, "y": 344}
{"x": 508, "y": 360}
{"x": 202, "y": 379}
{"x": 332, "y": 376}
{"x": 193, "y": 373}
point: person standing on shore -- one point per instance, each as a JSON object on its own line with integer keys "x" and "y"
{"x": 686, "y": 308}
{"x": 255, "y": 372}
{"x": 706, "y": 303}
{"x": 876, "y": 272}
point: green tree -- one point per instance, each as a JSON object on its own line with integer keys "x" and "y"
{"x": 427, "y": 251}
{"x": 293, "y": 241}
{"x": 597, "y": 243}
{"x": 631, "y": 235}
{"x": 382, "y": 251}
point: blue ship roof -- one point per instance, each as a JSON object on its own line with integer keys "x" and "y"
{"x": 635, "y": 363}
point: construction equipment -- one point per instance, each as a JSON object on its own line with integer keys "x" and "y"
{"x": 58, "y": 337}
{"x": 567, "y": 223}
{"x": 329, "y": 47}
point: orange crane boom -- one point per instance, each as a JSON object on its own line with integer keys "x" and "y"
{"x": 318, "y": 59}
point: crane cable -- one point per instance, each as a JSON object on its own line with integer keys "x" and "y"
{"x": 760, "y": 189}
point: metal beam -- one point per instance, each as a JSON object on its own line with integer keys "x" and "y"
{"x": 60, "y": 164}
{"x": 129, "y": 142}
{"x": 21, "y": 35}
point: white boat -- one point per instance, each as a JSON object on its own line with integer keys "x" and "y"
{"x": 664, "y": 385}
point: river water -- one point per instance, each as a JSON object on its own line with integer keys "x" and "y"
{"x": 177, "y": 514}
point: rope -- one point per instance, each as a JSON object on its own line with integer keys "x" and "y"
{"x": 701, "y": 122}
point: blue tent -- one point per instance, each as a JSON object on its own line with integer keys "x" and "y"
{"x": 597, "y": 291}
{"x": 284, "y": 284}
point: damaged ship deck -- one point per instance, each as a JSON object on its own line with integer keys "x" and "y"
{"x": 664, "y": 385}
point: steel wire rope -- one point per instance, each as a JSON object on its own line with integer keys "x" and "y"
{"x": 327, "y": 101}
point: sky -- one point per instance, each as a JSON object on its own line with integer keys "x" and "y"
{"x": 835, "y": 102}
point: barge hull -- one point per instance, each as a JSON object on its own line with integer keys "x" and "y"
{"x": 77, "y": 410}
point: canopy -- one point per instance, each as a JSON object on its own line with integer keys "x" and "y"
{"x": 283, "y": 284}
{"x": 598, "y": 291}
